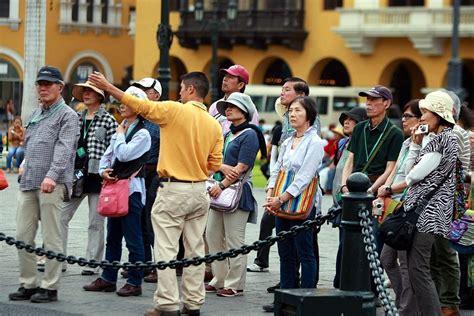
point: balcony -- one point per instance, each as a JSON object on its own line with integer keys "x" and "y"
{"x": 108, "y": 21}
{"x": 427, "y": 28}
{"x": 254, "y": 28}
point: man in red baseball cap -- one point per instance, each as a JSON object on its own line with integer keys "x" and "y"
{"x": 236, "y": 78}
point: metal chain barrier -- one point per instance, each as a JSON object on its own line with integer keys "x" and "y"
{"x": 173, "y": 264}
{"x": 374, "y": 263}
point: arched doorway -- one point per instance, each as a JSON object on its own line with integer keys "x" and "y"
{"x": 11, "y": 87}
{"x": 405, "y": 78}
{"x": 277, "y": 71}
{"x": 468, "y": 81}
{"x": 223, "y": 62}
{"x": 177, "y": 70}
{"x": 329, "y": 72}
{"x": 79, "y": 73}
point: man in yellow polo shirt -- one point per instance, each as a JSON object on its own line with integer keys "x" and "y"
{"x": 190, "y": 148}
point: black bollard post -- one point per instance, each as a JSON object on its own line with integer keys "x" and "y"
{"x": 355, "y": 271}
{"x": 355, "y": 296}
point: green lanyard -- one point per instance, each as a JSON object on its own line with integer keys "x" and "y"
{"x": 86, "y": 127}
{"x": 375, "y": 146}
{"x": 400, "y": 163}
{"x": 41, "y": 117}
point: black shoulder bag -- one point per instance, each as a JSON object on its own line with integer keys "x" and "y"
{"x": 398, "y": 229}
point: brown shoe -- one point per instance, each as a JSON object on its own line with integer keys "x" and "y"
{"x": 124, "y": 273}
{"x": 129, "y": 290}
{"x": 157, "y": 312}
{"x": 152, "y": 277}
{"x": 100, "y": 285}
{"x": 208, "y": 276}
{"x": 450, "y": 311}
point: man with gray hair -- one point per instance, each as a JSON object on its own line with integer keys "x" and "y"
{"x": 47, "y": 173}
{"x": 445, "y": 269}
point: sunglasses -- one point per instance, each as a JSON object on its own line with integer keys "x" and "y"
{"x": 407, "y": 116}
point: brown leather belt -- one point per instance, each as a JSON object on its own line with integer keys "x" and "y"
{"x": 177, "y": 180}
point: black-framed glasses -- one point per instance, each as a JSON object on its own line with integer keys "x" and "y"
{"x": 407, "y": 116}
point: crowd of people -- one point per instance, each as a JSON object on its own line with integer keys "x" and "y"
{"x": 169, "y": 149}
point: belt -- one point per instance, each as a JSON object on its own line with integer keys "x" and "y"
{"x": 177, "y": 180}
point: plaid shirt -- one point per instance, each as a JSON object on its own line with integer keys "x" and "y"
{"x": 50, "y": 146}
{"x": 98, "y": 136}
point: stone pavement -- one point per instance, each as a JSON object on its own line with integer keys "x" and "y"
{"x": 74, "y": 301}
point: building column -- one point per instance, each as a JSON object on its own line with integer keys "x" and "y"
{"x": 35, "y": 38}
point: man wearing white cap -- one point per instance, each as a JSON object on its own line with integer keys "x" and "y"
{"x": 152, "y": 88}
{"x": 97, "y": 127}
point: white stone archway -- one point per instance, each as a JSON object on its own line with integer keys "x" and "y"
{"x": 92, "y": 55}
{"x": 19, "y": 60}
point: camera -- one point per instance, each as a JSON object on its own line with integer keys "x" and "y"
{"x": 378, "y": 208}
{"x": 422, "y": 129}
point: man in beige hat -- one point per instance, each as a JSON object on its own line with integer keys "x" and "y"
{"x": 97, "y": 127}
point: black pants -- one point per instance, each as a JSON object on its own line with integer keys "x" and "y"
{"x": 267, "y": 224}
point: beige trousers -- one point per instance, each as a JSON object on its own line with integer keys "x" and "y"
{"x": 227, "y": 231}
{"x": 34, "y": 206}
{"x": 180, "y": 208}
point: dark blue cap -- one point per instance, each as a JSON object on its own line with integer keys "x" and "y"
{"x": 49, "y": 73}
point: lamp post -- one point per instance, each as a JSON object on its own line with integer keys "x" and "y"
{"x": 216, "y": 22}
{"x": 455, "y": 64}
{"x": 164, "y": 36}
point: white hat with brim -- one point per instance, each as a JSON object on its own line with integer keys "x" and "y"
{"x": 240, "y": 100}
{"x": 280, "y": 109}
{"x": 78, "y": 89}
{"x": 439, "y": 102}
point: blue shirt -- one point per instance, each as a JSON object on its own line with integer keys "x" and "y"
{"x": 243, "y": 148}
{"x": 154, "y": 131}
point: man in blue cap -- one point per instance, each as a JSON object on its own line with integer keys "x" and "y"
{"x": 47, "y": 173}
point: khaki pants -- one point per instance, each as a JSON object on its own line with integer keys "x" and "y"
{"x": 95, "y": 230}
{"x": 32, "y": 207}
{"x": 180, "y": 208}
{"x": 227, "y": 231}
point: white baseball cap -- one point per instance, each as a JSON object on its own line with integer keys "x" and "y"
{"x": 147, "y": 83}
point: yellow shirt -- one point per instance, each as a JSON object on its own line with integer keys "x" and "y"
{"x": 190, "y": 138}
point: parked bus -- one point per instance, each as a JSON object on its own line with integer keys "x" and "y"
{"x": 330, "y": 101}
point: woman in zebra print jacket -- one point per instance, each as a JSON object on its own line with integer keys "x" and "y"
{"x": 431, "y": 168}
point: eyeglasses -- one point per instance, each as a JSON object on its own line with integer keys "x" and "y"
{"x": 407, "y": 116}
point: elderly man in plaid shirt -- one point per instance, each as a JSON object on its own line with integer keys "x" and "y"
{"x": 47, "y": 171}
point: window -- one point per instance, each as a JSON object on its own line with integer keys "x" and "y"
{"x": 406, "y": 3}
{"x": 322, "y": 105}
{"x": 344, "y": 103}
{"x": 332, "y": 4}
{"x": 466, "y": 2}
{"x": 90, "y": 10}
{"x": 75, "y": 11}
{"x": 105, "y": 9}
{"x": 175, "y": 5}
{"x": 4, "y": 8}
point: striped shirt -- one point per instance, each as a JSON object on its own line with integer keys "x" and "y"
{"x": 464, "y": 145}
{"x": 50, "y": 146}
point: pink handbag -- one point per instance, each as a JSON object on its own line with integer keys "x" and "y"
{"x": 113, "y": 198}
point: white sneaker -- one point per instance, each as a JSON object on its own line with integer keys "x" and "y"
{"x": 256, "y": 268}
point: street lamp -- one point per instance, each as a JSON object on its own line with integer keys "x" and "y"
{"x": 455, "y": 64}
{"x": 164, "y": 37}
{"x": 215, "y": 23}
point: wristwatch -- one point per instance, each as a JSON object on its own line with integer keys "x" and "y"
{"x": 388, "y": 188}
{"x": 221, "y": 185}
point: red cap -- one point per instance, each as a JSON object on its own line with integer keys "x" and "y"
{"x": 238, "y": 71}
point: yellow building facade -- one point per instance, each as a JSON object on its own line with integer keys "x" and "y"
{"x": 80, "y": 36}
{"x": 359, "y": 44}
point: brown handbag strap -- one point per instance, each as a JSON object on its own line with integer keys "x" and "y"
{"x": 374, "y": 153}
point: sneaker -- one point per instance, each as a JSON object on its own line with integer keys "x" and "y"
{"x": 256, "y": 268}
{"x": 44, "y": 296}
{"x": 227, "y": 292}
{"x": 272, "y": 289}
{"x": 270, "y": 308}
{"x": 210, "y": 289}
{"x": 100, "y": 285}
{"x": 23, "y": 294}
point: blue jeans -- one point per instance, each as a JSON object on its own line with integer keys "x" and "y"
{"x": 15, "y": 151}
{"x": 298, "y": 247}
{"x": 129, "y": 227}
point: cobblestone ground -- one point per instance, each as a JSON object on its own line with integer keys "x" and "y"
{"x": 74, "y": 301}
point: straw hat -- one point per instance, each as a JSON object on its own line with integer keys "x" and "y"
{"x": 280, "y": 109}
{"x": 78, "y": 89}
